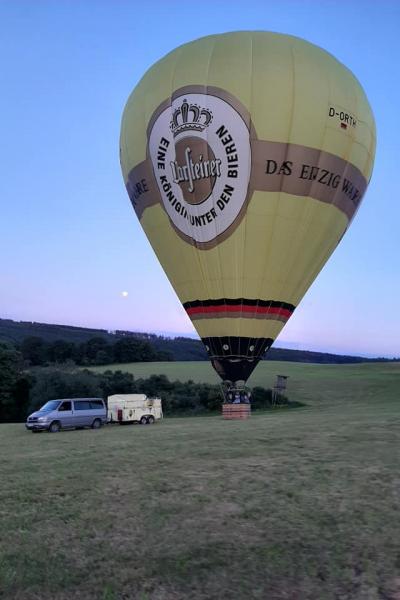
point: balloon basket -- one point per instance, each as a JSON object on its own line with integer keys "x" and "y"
{"x": 236, "y": 411}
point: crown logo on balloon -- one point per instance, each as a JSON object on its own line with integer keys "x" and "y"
{"x": 190, "y": 117}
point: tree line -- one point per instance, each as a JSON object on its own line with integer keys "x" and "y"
{"x": 36, "y": 351}
{"x": 22, "y": 391}
{"x": 67, "y": 343}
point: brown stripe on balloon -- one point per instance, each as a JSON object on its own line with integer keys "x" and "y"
{"x": 303, "y": 171}
{"x": 243, "y": 302}
{"x": 142, "y": 187}
{"x": 276, "y": 167}
{"x": 238, "y": 315}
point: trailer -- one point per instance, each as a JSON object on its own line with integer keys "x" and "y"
{"x": 133, "y": 408}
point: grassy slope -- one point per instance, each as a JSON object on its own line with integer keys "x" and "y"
{"x": 296, "y": 505}
{"x": 308, "y": 383}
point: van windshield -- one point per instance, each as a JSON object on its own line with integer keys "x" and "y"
{"x": 50, "y": 405}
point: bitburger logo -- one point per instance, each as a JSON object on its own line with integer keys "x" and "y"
{"x": 199, "y": 146}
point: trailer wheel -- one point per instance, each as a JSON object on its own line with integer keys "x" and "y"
{"x": 143, "y": 421}
{"x": 150, "y": 420}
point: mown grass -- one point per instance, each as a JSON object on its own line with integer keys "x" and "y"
{"x": 290, "y": 505}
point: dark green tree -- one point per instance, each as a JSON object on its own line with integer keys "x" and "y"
{"x": 97, "y": 351}
{"x": 21, "y": 396}
{"x": 34, "y": 350}
{"x": 131, "y": 349}
{"x": 52, "y": 383}
{"x": 117, "y": 382}
{"x": 60, "y": 351}
{"x": 261, "y": 398}
{"x": 13, "y": 394}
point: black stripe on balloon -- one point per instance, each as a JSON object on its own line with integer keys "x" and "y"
{"x": 236, "y": 347}
{"x": 241, "y": 301}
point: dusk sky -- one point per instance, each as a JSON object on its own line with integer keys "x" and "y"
{"x": 70, "y": 240}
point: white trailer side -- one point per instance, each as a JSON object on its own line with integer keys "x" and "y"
{"x": 134, "y": 408}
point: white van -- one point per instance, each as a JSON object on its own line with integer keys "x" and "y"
{"x": 133, "y": 408}
{"x": 68, "y": 413}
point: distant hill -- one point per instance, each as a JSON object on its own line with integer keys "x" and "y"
{"x": 180, "y": 348}
{"x": 16, "y": 331}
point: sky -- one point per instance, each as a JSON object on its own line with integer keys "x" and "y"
{"x": 70, "y": 242}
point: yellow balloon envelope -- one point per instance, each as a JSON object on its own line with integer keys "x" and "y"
{"x": 245, "y": 156}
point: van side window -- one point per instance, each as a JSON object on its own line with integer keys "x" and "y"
{"x": 82, "y": 405}
{"x": 65, "y": 406}
{"x": 96, "y": 404}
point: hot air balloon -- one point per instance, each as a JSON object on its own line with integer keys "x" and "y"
{"x": 245, "y": 156}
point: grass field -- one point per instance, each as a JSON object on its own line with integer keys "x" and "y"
{"x": 309, "y": 383}
{"x": 290, "y": 505}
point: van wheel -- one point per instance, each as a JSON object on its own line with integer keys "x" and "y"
{"x": 150, "y": 420}
{"x": 55, "y": 427}
{"x": 143, "y": 421}
{"x": 96, "y": 424}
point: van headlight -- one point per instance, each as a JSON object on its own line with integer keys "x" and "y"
{"x": 42, "y": 419}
